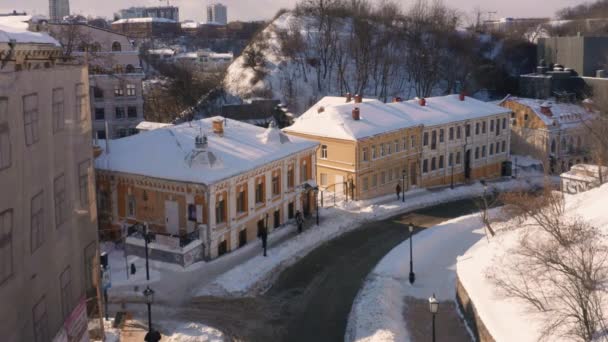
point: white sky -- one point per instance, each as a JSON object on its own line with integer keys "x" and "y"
{"x": 265, "y": 9}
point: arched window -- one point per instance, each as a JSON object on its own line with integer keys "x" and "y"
{"x": 116, "y": 46}
{"x": 553, "y": 146}
{"x": 130, "y": 69}
{"x": 563, "y": 143}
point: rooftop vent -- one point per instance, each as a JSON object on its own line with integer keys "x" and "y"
{"x": 422, "y": 101}
{"x": 321, "y": 109}
{"x": 356, "y": 114}
{"x": 358, "y": 98}
{"x": 462, "y": 96}
{"x": 545, "y": 108}
{"x": 349, "y": 97}
{"x": 397, "y": 99}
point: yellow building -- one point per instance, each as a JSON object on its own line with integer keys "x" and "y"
{"x": 368, "y": 147}
{"x": 214, "y": 182}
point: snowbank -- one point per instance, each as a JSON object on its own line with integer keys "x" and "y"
{"x": 510, "y": 319}
{"x": 174, "y": 331}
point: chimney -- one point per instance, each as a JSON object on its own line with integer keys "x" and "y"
{"x": 397, "y": 99}
{"x": 462, "y": 96}
{"x": 349, "y": 97}
{"x": 358, "y": 98}
{"x": 422, "y": 101}
{"x": 321, "y": 109}
{"x": 356, "y": 113}
{"x": 545, "y": 108}
{"x": 200, "y": 142}
{"x": 218, "y": 127}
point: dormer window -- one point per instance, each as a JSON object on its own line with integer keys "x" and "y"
{"x": 323, "y": 151}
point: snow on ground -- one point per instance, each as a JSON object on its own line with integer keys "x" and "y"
{"x": 174, "y": 331}
{"x": 510, "y": 319}
{"x": 258, "y": 272}
{"x": 377, "y": 313}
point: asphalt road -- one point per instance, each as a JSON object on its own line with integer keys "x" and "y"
{"x": 311, "y": 300}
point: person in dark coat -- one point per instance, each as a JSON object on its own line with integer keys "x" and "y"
{"x": 299, "y": 221}
{"x": 398, "y": 190}
{"x": 264, "y": 237}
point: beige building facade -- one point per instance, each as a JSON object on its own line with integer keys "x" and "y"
{"x": 115, "y": 77}
{"x": 228, "y": 180}
{"x": 555, "y": 133}
{"x": 48, "y": 218}
{"x": 367, "y": 147}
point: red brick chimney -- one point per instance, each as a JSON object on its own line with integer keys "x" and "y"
{"x": 358, "y": 98}
{"x": 321, "y": 109}
{"x": 349, "y": 97}
{"x": 545, "y": 108}
{"x": 397, "y": 99}
{"x": 462, "y": 96}
{"x": 356, "y": 115}
{"x": 218, "y": 127}
{"x": 422, "y": 101}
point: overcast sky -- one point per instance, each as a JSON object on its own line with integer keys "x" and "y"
{"x": 265, "y": 9}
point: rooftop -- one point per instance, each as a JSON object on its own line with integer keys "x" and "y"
{"x": 562, "y": 113}
{"x": 14, "y": 27}
{"x": 144, "y": 20}
{"x": 335, "y": 120}
{"x": 170, "y": 152}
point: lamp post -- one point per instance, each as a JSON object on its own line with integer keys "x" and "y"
{"x": 412, "y": 275}
{"x": 452, "y": 178}
{"x": 151, "y": 335}
{"x": 433, "y": 307}
{"x": 316, "y": 189}
{"x": 403, "y": 187}
{"x": 146, "y": 237}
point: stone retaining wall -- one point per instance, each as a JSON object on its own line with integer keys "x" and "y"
{"x": 182, "y": 256}
{"x": 467, "y": 307}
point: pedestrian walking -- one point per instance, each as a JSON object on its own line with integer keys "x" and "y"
{"x": 299, "y": 221}
{"x": 398, "y": 190}
{"x": 264, "y": 237}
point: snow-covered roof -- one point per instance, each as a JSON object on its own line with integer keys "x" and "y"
{"x": 161, "y": 52}
{"x": 14, "y": 27}
{"x": 189, "y": 24}
{"x": 144, "y": 20}
{"x": 376, "y": 117}
{"x": 150, "y": 125}
{"x": 170, "y": 153}
{"x": 566, "y": 114}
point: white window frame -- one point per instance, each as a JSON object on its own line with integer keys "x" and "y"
{"x": 30, "y": 119}
{"x": 323, "y": 151}
{"x": 60, "y": 199}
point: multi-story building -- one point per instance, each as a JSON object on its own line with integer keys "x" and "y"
{"x": 368, "y": 147}
{"x": 48, "y": 218}
{"x": 168, "y": 12}
{"x": 58, "y": 9}
{"x": 555, "y": 133}
{"x": 146, "y": 28}
{"x": 218, "y": 180}
{"x": 217, "y": 14}
{"x": 115, "y": 77}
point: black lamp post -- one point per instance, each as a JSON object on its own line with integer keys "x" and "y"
{"x": 433, "y": 307}
{"x": 316, "y": 189}
{"x": 403, "y": 187}
{"x": 452, "y": 178}
{"x": 151, "y": 335}
{"x": 146, "y": 237}
{"x": 412, "y": 275}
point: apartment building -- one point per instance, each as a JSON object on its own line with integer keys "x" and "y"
{"x": 553, "y": 132}
{"x": 115, "y": 77}
{"x": 214, "y": 182}
{"x": 217, "y": 14}
{"x": 48, "y": 218}
{"x": 367, "y": 147}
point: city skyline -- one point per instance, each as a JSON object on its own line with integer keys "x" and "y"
{"x": 265, "y": 9}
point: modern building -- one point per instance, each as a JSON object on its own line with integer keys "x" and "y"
{"x": 58, "y": 9}
{"x": 554, "y": 132}
{"x": 48, "y": 217}
{"x": 583, "y": 54}
{"x": 217, "y": 14}
{"x": 167, "y": 12}
{"x": 204, "y": 187}
{"x": 369, "y": 147}
{"x": 147, "y": 28}
{"x": 115, "y": 77}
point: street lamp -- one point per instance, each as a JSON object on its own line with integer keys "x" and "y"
{"x": 433, "y": 307}
{"x": 146, "y": 237}
{"x": 316, "y": 189}
{"x": 403, "y": 187}
{"x": 412, "y": 275}
{"x": 149, "y": 296}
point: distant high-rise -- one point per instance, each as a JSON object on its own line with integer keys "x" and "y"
{"x": 58, "y": 9}
{"x": 217, "y": 14}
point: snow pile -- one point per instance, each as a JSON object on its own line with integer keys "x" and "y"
{"x": 174, "y": 331}
{"x": 377, "y": 313}
{"x": 257, "y": 273}
{"x": 509, "y": 319}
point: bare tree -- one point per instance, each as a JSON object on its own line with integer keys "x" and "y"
{"x": 557, "y": 267}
